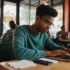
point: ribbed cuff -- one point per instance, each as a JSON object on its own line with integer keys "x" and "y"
{"x": 42, "y": 54}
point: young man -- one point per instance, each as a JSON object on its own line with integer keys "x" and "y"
{"x": 31, "y": 42}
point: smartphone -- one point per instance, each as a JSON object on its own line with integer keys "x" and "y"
{"x": 42, "y": 62}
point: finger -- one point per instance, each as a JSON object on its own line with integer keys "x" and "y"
{"x": 68, "y": 54}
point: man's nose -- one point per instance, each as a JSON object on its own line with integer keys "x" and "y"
{"x": 48, "y": 26}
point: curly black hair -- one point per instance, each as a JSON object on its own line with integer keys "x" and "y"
{"x": 43, "y": 10}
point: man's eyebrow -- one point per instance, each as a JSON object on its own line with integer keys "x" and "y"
{"x": 49, "y": 21}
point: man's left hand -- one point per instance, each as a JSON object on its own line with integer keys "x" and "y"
{"x": 67, "y": 49}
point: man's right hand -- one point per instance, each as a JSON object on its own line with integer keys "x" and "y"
{"x": 56, "y": 52}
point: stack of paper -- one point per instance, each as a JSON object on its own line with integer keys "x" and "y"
{"x": 22, "y": 64}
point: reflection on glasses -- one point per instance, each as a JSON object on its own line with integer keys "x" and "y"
{"x": 48, "y": 22}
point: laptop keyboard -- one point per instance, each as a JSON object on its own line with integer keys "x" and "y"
{"x": 64, "y": 57}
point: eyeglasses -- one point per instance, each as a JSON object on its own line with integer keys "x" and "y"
{"x": 48, "y": 22}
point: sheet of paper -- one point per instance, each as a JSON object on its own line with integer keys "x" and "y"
{"x": 22, "y": 64}
{"x": 54, "y": 61}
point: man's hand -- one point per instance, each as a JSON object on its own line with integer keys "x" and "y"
{"x": 57, "y": 52}
{"x": 67, "y": 49}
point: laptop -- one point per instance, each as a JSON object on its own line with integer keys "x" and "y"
{"x": 61, "y": 58}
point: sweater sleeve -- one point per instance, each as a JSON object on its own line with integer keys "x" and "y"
{"x": 50, "y": 45}
{"x": 22, "y": 52}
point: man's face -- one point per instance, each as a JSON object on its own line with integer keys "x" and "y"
{"x": 63, "y": 29}
{"x": 44, "y": 23}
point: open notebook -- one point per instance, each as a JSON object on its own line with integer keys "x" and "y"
{"x": 62, "y": 58}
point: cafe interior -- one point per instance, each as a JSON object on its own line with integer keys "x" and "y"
{"x": 23, "y": 12}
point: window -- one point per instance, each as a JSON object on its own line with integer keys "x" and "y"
{"x": 9, "y": 14}
{"x": 24, "y": 15}
{"x": 28, "y": 11}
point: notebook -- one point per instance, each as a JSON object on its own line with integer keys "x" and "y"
{"x": 61, "y": 58}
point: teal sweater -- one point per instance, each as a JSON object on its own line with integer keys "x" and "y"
{"x": 30, "y": 46}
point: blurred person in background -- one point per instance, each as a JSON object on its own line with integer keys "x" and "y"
{"x": 59, "y": 33}
{"x": 8, "y": 36}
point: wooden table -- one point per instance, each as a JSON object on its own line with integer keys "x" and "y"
{"x": 57, "y": 66}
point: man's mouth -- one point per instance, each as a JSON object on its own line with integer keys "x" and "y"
{"x": 47, "y": 30}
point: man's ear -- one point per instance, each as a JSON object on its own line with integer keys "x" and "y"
{"x": 37, "y": 18}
